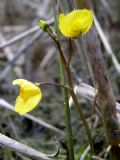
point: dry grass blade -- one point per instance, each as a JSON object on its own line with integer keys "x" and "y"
{"x": 22, "y": 149}
{"x": 107, "y": 44}
{"x": 88, "y": 92}
{"x": 20, "y": 36}
{"x": 23, "y": 35}
{"x": 83, "y": 156}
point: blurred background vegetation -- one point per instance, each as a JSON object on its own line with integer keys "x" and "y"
{"x": 34, "y": 57}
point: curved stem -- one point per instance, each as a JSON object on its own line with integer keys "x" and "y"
{"x": 78, "y": 107}
{"x": 67, "y": 113}
{"x": 69, "y": 77}
{"x": 53, "y": 84}
{"x": 70, "y": 49}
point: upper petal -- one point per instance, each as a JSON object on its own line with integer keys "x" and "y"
{"x": 26, "y": 85}
{"x": 76, "y": 22}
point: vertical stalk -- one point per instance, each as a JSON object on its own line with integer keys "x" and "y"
{"x": 69, "y": 77}
{"x": 105, "y": 96}
{"x": 67, "y": 112}
{"x": 64, "y": 62}
{"x": 78, "y": 108}
{"x": 66, "y": 101}
{"x": 65, "y": 65}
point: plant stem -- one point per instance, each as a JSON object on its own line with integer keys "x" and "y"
{"x": 65, "y": 65}
{"x": 78, "y": 107}
{"x": 67, "y": 112}
{"x": 69, "y": 77}
{"x": 66, "y": 101}
{"x": 52, "y": 84}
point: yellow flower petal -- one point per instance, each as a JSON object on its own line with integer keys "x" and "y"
{"x": 76, "y": 23}
{"x": 29, "y": 97}
{"x": 23, "y": 107}
{"x": 27, "y": 85}
{"x": 61, "y": 16}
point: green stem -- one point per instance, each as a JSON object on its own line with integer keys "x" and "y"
{"x": 66, "y": 101}
{"x": 69, "y": 77}
{"x": 66, "y": 65}
{"x": 67, "y": 112}
{"x": 78, "y": 107}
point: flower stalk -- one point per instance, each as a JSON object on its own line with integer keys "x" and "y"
{"x": 53, "y": 84}
{"x": 65, "y": 94}
{"x": 78, "y": 107}
{"x": 70, "y": 83}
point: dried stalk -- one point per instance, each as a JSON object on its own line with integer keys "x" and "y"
{"x": 105, "y": 97}
{"x": 22, "y": 149}
{"x": 107, "y": 45}
{"x": 22, "y": 35}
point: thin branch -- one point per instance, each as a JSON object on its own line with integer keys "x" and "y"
{"x": 53, "y": 84}
{"x": 19, "y": 53}
{"x": 22, "y": 149}
{"x": 10, "y": 63}
{"x": 10, "y": 55}
{"x": 47, "y": 57}
{"x": 88, "y": 92}
{"x": 20, "y": 36}
{"x": 7, "y": 51}
{"x": 23, "y": 35}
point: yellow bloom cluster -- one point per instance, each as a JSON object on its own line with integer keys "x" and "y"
{"x": 76, "y": 23}
{"x": 29, "y": 97}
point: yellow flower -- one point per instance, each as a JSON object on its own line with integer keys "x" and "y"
{"x": 76, "y": 23}
{"x": 29, "y": 97}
